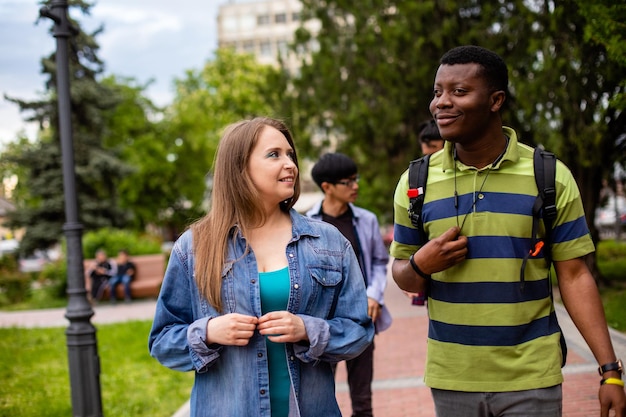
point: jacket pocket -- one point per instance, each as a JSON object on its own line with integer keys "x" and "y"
{"x": 326, "y": 282}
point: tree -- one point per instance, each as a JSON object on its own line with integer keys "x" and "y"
{"x": 605, "y": 24}
{"x": 230, "y": 87}
{"x": 133, "y": 133}
{"x": 366, "y": 79}
{"x": 97, "y": 170}
{"x": 575, "y": 115}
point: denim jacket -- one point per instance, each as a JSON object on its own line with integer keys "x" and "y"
{"x": 232, "y": 381}
{"x": 374, "y": 254}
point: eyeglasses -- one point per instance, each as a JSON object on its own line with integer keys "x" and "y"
{"x": 349, "y": 182}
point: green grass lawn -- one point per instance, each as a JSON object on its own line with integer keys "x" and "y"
{"x": 612, "y": 265}
{"x": 35, "y": 380}
{"x": 614, "y": 302}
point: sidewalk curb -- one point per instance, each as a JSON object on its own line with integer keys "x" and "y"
{"x": 183, "y": 411}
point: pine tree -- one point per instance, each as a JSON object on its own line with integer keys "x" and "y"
{"x": 98, "y": 170}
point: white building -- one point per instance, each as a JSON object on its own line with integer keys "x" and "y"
{"x": 263, "y": 28}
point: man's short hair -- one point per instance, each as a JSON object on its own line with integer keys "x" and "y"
{"x": 332, "y": 167}
{"x": 428, "y": 131}
{"x": 493, "y": 67}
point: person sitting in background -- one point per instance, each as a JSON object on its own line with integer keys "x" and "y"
{"x": 100, "y": 273}
{"x": 125, "y": 273}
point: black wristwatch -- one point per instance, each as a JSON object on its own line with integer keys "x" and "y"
{"x": 613, "y": 366}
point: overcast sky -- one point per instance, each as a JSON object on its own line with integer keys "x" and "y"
{"x": 144, "y": 39}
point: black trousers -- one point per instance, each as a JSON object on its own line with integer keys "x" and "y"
{"x": 360, "y": 376}
{"x": 98, "y": 284}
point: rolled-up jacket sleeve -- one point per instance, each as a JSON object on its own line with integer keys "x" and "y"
{"x": 203, "y": 355}
{"x": 177, "y": 339}
{"x": 318, "y": 331}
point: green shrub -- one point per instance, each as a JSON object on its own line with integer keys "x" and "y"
{"x": 611, "y": 257}
{"x": 614, "y": 302}
{"x": 14, "y": 287}
{"x": 114, "y": 240}
{"x": 54, "y": 278}
{"x": 8, "y": 262}
{"x": 611, "y": 250}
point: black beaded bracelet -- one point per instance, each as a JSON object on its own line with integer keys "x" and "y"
{"x": 417, "y": 269}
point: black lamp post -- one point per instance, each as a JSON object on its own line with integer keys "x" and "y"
{"x": 84, "y": 363}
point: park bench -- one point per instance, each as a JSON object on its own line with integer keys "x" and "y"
{"x": 147, "y": 280}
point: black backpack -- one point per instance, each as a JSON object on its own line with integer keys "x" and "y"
{"x": 544, "y": 164}
{"x": 544, "y": 207}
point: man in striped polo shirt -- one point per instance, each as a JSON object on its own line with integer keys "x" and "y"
{"x": 493, "y": 340}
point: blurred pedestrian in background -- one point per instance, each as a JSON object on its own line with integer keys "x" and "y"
{"x": 336, "y": 175}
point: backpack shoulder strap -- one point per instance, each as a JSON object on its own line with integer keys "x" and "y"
{"x": 545, "y": 177}
{"x": 418, "y": 175}
{"x": 544, "y": 164}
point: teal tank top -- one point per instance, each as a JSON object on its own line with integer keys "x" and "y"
{"x": 274, "y": 287}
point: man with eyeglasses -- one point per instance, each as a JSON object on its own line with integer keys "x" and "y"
{"x": 336, "y": 175}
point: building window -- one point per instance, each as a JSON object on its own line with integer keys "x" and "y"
{"x": 281, "y": 46}
{"x": 248, "y": 46}
{"x": 229, "y": 24}
{"x": 280, "y": 18}
{"x": 247, "y": 22}
{"x": 295, "y": 16}
{"x": 263, "y": 19}
{"x": 314, "y": 45}
{"x": 266, "y": 48}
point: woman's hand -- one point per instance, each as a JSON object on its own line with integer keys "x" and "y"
{"x": 231, "y": 329}
{"x": 282, "y": 327}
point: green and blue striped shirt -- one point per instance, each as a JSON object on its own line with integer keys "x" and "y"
{"x": 486, "y": 334}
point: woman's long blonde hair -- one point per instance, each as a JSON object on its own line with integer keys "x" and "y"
{"x": 235, "y": 201}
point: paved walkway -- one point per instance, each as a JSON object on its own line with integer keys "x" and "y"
{"x": 398, "y": 387}
{"x": 104, "y": 313}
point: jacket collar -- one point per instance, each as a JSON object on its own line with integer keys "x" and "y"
{"x": 316, "y": 210}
